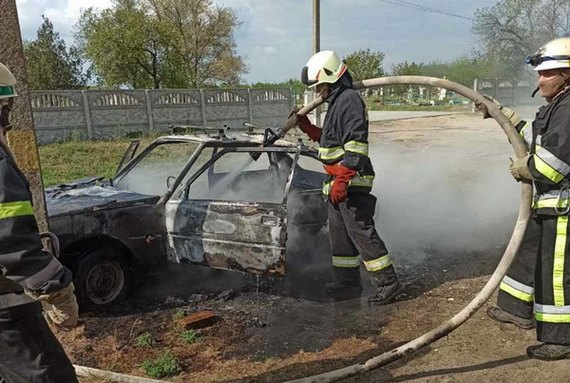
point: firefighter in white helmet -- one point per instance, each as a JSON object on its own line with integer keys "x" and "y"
{"x": 29, "y": 276}
{"x": 547, "y": 165}
{"x": 343, "y": 149}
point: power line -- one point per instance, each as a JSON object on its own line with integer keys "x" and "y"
{"x": 407, "y": 4}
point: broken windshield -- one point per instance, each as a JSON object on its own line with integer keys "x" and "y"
{"x": 151, "y": 172}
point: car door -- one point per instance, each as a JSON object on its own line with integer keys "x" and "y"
{"x": 231, "y": 212}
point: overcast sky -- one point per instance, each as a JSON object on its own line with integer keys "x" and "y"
{"x": 276, "y": 36}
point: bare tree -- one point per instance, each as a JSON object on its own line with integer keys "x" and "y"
{"x": 513, "y": 29}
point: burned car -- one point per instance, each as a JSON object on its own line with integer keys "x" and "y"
{"x": 223, "y": 201}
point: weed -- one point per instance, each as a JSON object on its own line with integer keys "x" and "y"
{"x": 163, "y": 367}
{"x": 144, "y": 340}
{"x": 190, "y": 336}
{"x": 179, "y": 315}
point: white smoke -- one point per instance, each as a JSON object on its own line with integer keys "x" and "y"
{"x": 443, "y": 198}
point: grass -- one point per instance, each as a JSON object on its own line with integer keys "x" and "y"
{"x": 190, "y": 336}
{"x": 163, "y": 367}
{"x": 69, "y": 161}
{"x": 144, "y": 340}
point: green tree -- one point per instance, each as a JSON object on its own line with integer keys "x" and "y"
{"x": 162, "y": 43}
{"x": 125, "y": 45}
{"x": 201, "y": 37}
{"x": 50, "y": 64}
{"x": 407, "y": 69}
{"x": 513, "y": 29}
{"x": 365, "y": 64}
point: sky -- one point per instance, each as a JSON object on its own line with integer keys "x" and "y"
{"x": 275, "y": 37}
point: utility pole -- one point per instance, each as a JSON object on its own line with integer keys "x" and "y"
{"x": 22, "y": 138}
{"x": 317, "y": 45}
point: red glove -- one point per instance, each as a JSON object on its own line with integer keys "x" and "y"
{"x": 314, "y": 132}
{"x": 342, "y": 176}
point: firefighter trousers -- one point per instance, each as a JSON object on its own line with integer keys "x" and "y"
{"x": 31, "y": 353}
{"x": 353, "y": 236}
{"x": 516, "y": 291}
{"x": 552, "y": 281}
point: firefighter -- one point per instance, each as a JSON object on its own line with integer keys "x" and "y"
{"x": 30, "y": 276}
{"x": 548, "y": 166}
{"x": 343, "y": 149}
{"x": 515, "y": 301}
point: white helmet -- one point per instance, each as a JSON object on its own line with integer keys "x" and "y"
{"x": 7, "y": 82}
{"x": 323, "y": 67}
{"x": 552, "y": 55}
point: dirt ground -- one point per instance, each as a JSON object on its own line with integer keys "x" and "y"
{"x": 446, "y": 237}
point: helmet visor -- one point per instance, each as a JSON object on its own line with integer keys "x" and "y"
{"x": 305, "y": 77}
{"x": 539, "y": 59}
{"x": 7, "y": 91}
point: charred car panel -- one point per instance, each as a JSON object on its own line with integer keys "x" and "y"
{"x": 240, "y": 236}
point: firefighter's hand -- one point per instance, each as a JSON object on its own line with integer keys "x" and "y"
{"x": 513, "y": 117}
{"x": 61, "y": 308}
{"x": 519, "y": 168}
{"x": 303, "y": 122}
{"x": 338, "y": 192}
{"x": 342, "y": 176}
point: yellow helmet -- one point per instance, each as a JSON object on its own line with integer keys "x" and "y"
{"x": 7, "y": 83}
{"x": 323, "y": 67}
{"x": 552, "y": 55}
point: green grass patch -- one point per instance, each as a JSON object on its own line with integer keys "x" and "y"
{"x": 190, "y": 336}
{"x": 163, "y": 367}
{"x": 144, "y": 340}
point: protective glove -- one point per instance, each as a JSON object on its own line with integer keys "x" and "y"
{"x": 342, "y": 176}
{"x": 509, "y": 113}
{"x": 303, "y": 122}
{"x": 60, "y": 307}
{"x": 519, "y": 168}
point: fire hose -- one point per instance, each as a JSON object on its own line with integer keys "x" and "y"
{"x": 506, "y": 260}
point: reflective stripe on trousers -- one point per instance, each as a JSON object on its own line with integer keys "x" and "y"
{"x": 516, "y": 289}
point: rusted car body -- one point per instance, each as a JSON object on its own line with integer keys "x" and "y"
{"x": 187, "y": 198}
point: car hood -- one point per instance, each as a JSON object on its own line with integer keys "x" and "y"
{"x": 90, "y": 194}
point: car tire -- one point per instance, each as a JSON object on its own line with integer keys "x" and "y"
{"x": 101, "y": 278}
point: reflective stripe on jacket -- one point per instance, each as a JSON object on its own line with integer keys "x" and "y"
{"x": 549, "y": 163}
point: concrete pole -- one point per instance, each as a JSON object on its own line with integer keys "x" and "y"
{"x": 317, "y": 44}
{"x": 21, "y": 138}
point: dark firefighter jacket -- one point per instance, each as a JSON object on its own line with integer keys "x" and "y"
{"x": 23, "y": 263}
{"x": 548, "y": 140}
{"x": 345, "y": 137}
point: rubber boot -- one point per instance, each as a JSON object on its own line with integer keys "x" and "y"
{"x": 387, "y": 286}
{"x": 549, "y": 351}
{"x": 500, "y": 315}
{"x": 346, "y": 284}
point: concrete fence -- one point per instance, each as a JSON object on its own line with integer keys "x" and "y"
{"x": 102, "y": 114}
{"x": 507, "y": 91}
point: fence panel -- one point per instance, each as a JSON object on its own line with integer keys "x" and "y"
{"x": 59, "y": 115}
{"x": 103, "y": 114}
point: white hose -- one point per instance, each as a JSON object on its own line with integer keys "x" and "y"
{"x": 88, "y": 372}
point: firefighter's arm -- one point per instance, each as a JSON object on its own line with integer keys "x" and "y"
{"x": 551, "y": 161}
{"x": 354, "y": 122}
{"x": 22, "y": 259}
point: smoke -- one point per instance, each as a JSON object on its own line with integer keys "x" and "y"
{"x": 443, "y": 199}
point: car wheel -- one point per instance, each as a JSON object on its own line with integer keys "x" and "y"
{"x": 102, "y": 277}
